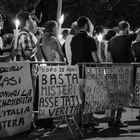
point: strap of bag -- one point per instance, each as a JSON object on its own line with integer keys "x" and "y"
{"x": 44, "y": 56}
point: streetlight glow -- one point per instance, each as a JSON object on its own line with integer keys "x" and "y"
{"x": 17, "y": 23}
{"x": 61, "y": 19}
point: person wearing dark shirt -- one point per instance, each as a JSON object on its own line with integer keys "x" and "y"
{"x": 84, "y": 49}
{"x": 83, "y": 46}
{"x": 136, "y": 54}
{"x": 136, "y": 47}
{"x": 119, "y": 49}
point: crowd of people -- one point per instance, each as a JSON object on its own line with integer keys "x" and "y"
{"x": 83, "y": 43}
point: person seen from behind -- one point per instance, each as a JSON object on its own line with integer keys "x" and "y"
{"x": 26, "y": 48}
{"x": 119, "y": 51}
{"x": 84, "y": 50}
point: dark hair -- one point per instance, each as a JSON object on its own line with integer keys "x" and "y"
{"x": 82, "y": 21}
{"x": 123, "y": 25}
{"x": 49, "y": 25}
{"x": 99, "y": 29}
{"x": 23, "y": 17}
{"x": 111, "y": 33}
{"x": 65, "y": 32}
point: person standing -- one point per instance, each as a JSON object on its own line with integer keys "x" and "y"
{"x": 73, "y": 31}
{"x": 119, "y": 51}
{"x": 26, "y": 49}
{"x": 136, "y": 54}
{"x": 83, "y": 46}
{"x": 84, "y": 50}
{"x": 49, "y": 45}
{"x": 49, "y": 49}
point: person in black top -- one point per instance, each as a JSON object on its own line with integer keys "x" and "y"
{"x": 119, "y": 50}
{"x": 84, "y": 49}
{"x": 83, "y": 46}
{"x": 136, "y": 47}
{"x": 136, "y": 54}
{"x": 119, "y": 47}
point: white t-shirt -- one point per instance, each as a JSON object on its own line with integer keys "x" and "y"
{"x": 68, "y": 48}
{"x": 1, "y": 43}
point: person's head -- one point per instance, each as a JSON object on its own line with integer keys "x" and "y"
{"x": 74, "y": 28}
{"x": 65, "y": 33}
{"x": 25, "y": 20}
{"x": 124, "y": 26}
{"x": 84, "y": 23}
{"x": 111, "y": 33}
{"x": 51, "y": 27}
{"x": 100, "y": 30}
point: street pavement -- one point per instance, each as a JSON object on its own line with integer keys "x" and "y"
{"x": 132, "y": 132}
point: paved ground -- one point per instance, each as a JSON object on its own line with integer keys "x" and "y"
{"x": 103, "y": 133}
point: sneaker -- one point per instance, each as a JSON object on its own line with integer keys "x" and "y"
{"x": 111, "y": 122}
{"x": 119, "y": 124}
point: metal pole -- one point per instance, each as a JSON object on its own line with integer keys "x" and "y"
{"x": 59, "y": 10}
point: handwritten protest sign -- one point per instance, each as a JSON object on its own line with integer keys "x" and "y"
{"x": 107, "y": 87}
{"x": 137, "y": 89}
{"x": 58, "y": 91}
{"x": 16, "y": 98}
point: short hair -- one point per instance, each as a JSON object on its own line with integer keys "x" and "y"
{"x": 99, "y": 29}
{"x": 65, "y": 32}
{"x": 111, "y": 33}
{"x": 49, "y": 25}
{"x": 23, "y": 17}
{"x": 82, "y": 21}
{"x": 123, "y": 25}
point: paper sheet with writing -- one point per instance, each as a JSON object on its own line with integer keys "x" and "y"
{"x": 16, "y": 98}
{"x": 107, "y": 87}
{"x": 58, "y": 91}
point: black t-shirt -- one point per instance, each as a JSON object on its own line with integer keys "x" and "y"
{"x": 136, "y": 50}
{"x": 82, "y": 46}
{"x": 120, "y": 48}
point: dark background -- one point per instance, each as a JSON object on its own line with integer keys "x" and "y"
{"x": 101, "y": 12}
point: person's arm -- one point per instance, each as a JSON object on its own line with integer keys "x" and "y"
{"x": 68, "y": 49}
{"x": 95, "y": 57}
{"x": 94, "y": 51}
{"x": 108, "y": 56}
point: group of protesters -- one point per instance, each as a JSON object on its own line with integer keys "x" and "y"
{"x": 83, "y": 43}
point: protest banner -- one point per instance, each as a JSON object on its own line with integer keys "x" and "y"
{"x": 136, "y": 95}
{"x": 16, "y": 98}
{"x": 107, "y": 87}
{"x": 58, "y": 91}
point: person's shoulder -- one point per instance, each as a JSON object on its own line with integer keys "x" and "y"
{"x": 54, "y": 38}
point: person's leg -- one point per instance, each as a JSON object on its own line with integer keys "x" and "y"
{"x": 119, "y": 114}
{"x": 138, "y": 117}
{"x": 118, "y": 122}
{"x": 111, "y": 118}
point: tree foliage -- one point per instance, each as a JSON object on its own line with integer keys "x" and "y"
{"x": 11, "y": 7}
{"x": 100, "y": 12}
